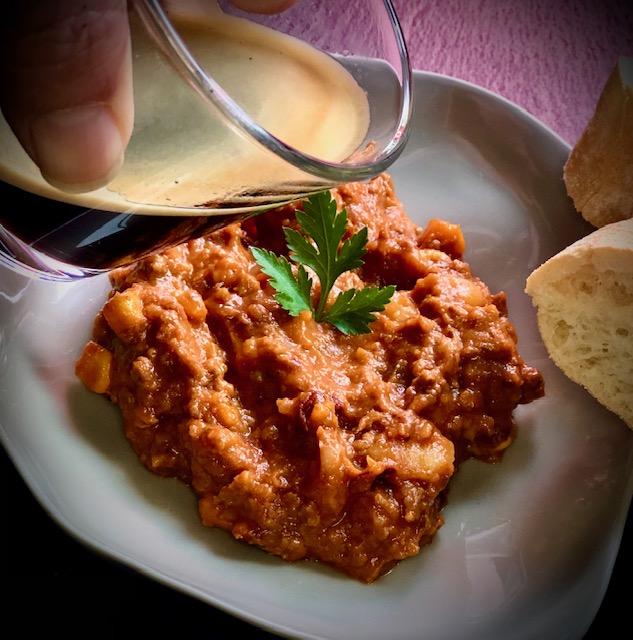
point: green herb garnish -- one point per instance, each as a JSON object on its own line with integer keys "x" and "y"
{"x": 319, "y": 248}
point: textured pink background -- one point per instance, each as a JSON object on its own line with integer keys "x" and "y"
{"x": 551, "y": 57}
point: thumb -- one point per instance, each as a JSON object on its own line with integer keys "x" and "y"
{"x": 66, "y": 86}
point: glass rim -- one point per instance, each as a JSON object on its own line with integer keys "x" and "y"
{"x": 160, "y": 28}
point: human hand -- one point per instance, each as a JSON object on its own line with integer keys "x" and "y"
{"x": 66, "y": 84}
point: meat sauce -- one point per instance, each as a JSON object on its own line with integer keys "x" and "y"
{"x": 305, "y": 442}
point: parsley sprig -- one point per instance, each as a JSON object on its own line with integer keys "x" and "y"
{"x": 318, "y": 247}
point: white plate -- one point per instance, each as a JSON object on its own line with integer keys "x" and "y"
{"x": 528, "y": 545}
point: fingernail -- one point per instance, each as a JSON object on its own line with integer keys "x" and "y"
{"x": 78, "y": 149}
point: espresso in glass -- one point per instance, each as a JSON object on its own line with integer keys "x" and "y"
{"x": 275, "y": 118}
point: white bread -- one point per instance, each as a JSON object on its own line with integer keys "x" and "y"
{"x": 584, "y": 301}
{"x": 599, "y": 171}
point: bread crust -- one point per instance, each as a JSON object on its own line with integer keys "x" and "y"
{"x": 599, "y": 171}
{"x": 584, "y": 301}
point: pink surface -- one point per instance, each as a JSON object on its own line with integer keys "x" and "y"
{"x": 551, "y": 57}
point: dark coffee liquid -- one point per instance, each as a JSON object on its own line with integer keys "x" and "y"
{"x": 92, "y": 239}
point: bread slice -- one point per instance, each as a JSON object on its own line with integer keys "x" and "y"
{"x": 584, "y": 301}
{"x": 599, "y": 171}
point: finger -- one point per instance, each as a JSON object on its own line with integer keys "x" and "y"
{"x": 263, "y": 6}
{"x": 66, "y": 86}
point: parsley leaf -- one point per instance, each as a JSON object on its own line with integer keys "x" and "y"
{"x": 318, "y": 247}
{"x": 293, "y": 294}
{"x": 352, "y": 311}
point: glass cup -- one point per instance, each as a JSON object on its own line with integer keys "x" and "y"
{"x": 321, "y": 96}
